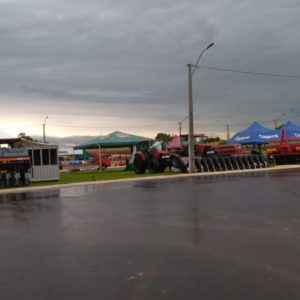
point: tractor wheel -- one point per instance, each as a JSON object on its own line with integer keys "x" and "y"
{"x": 153, "y": 166}
{"x": 138, "y": 165}
{"x": 198, "y": 165}
{"x": 162, "y": 166}
{"x": 178, "y": 163}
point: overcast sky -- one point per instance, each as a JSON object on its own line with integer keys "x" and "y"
{"x": 96, "y": 66}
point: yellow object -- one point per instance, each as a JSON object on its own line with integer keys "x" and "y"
{"x": 272, "y": 150}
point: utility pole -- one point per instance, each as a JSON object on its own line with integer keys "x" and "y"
{"x": 191, "y": 122}
{"x": 191, "y": 111}
{"x": 227, "y": 132}
{"x": 44, "y": 129}
{"x": 277, "y": 119}
{"x": 180, "y": 124}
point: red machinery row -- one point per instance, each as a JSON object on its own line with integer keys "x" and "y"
{"x": 14, "y": 166}
{"x": 208, "y": 158}
{"x": 225, "y": 157}
{"x": 284, "y": 150}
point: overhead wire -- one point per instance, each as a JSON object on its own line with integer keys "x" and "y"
{"x": 248, "y": 72}
{"x": 89, "y": 127}
{"x": 110, "y": 127}
{"x": 23, "y": 126}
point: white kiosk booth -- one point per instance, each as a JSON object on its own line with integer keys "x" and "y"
{"x": 44, "y": 160}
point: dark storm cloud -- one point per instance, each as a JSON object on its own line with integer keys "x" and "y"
{"x": 133, "y": 55}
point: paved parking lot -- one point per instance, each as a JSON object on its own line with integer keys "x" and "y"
{"x": 234, "y": 236}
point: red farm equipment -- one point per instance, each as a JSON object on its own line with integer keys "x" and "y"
{"x": 209, "y": 158}
{"x": 103, "y": 160}
{"x": 151, "y": 156}
{"x": 14, "y": 167}
{"x": 284, "y": 150}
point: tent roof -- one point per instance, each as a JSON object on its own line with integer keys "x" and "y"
{"x": 291, "y": 124}
{"x": 114, "y": 139}
{"x": 292, "y": 130}
{"x": 175, "y": 143}
{"x": 254, "y": 134}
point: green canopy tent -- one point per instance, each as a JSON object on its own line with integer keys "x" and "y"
{"x": 113, "y": 140}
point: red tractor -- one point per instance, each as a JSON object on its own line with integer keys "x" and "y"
{"x": 151, "y": 156}
{"x": 104, "y": 161}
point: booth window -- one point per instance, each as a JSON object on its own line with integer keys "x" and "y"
{"x": 45, "y": 155}
{"x": 37, "y": 157}
{"x": 30, "y": 156}
{"x": 53, "y": 156}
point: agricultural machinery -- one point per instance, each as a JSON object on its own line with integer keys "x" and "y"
{"x": 151, "y": 156}
{"x": 14, "y": 166}
{"x": 284, "y": 150}
{"x": 209, "y": 158}
{"x": 102, "y": 160}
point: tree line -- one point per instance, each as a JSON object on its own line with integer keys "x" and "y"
{"x": 166, "y": 137}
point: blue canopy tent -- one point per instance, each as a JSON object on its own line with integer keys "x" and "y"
{"x": 292, "y": 130}
{"x": 256, "y": 134}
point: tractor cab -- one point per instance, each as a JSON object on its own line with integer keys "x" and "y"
{"x": 156, "y": 146}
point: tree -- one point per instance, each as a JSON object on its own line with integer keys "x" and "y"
{"x": 22, "y": 135}
{"x": 165, "y": 137}
{"x": 214, "y": 140}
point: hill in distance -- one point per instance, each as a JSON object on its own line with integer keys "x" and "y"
{"x": 68, "y": 141}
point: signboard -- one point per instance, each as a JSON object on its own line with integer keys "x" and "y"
{"x": 13, "y": 152}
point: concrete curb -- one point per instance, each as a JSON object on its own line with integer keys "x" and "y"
{"x": 69, "y": 185}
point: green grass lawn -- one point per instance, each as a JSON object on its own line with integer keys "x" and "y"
{"x": 89, "y": 176}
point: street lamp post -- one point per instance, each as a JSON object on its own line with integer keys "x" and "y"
{"x": 44, "y": 129}
{"x": 191, "y": 111}
{"x": 191, "y": 123}
{"x": 227, "y": 130}
{"x": 180, "y": 124}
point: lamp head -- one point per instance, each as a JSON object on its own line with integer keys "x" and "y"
{"x": 210, "y": 45}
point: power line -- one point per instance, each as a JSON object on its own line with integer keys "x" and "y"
{"x": 21, "y": 126}
{"x": 249, "y": 72}
{"x": 110, "y": 127}
{"x": 88, "y": 127}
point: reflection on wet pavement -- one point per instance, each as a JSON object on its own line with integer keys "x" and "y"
{"x": 234, "y": 236}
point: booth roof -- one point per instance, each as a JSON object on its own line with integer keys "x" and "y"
{"x": 21, "y": 142}
{"x": 292, "y": 130}
{"x": 254, "y": 134}
{"x": 114, "y": 139}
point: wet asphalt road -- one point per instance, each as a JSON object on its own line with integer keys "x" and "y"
{"x": 216, "y": 237}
